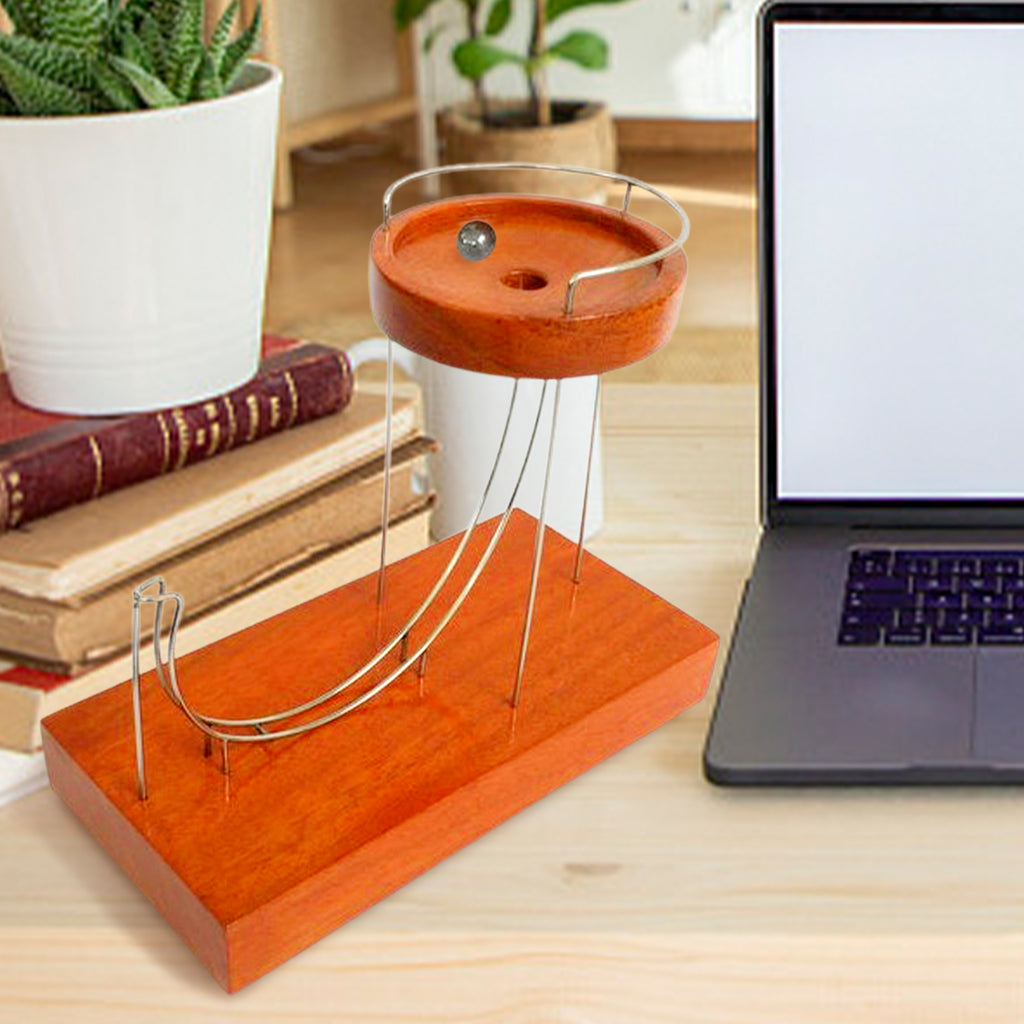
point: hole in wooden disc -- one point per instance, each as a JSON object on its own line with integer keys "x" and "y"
{"x": 525, "y": 280}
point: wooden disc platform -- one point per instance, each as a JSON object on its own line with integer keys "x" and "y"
{"x": 304, "y": 833}
{"x": 505, "y": 314}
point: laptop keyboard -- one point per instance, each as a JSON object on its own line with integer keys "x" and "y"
{"x": 950, "y": 598}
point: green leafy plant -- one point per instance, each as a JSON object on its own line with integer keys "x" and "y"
{"x": 478, "y": 52}
{"x": 68, "y": 57}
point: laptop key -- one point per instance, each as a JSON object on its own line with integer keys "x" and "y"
{"x": 1001, "y": 635}
{"x": 1004, "y": 565}
{"x": 893, "y": 584}
{"x": 906, "y": 636}
{"x": 914, "y": 564}
{"x": 881, "y": 599}
{"x": 978, "y": 584}
{"x": 860, "y": 636}
{"x": 933, "y": 584}
{"x": 968, "y": 617}
{"x": 950, "y": 636}
{"x": 865, "y": 561}
{"x": 917, "y": 616}
{"x": 1004, "y": 620}
{"x": 868, "y": 617}
{"x": 962, "y": 564}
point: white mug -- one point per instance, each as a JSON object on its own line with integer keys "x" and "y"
{"x": 466, "y": 412}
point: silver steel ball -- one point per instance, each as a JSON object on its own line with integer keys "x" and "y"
{"x": 476, "y": 240}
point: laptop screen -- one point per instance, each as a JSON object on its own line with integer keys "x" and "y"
{"x": 896, "y": 262}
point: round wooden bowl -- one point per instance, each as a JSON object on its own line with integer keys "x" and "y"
{"x": 505, "y": 314}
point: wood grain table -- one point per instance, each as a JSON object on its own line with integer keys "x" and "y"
{"x": 636, "y": 894}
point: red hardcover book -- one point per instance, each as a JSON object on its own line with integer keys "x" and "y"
{"x": 49, "y": 462}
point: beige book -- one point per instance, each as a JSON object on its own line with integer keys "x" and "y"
{"x": 24, "y": 705}
{"x": 86, "y": 548}
{"x": 67, "y": 637}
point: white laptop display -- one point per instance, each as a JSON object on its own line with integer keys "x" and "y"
{"x": 879, "y": 639}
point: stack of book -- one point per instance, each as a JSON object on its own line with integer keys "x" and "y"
{"x": 92, "y": 508}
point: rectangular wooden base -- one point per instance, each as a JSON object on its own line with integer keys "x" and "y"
{"x": 304, "y": 833}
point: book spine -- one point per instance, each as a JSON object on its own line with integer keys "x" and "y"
{"x": 296, "y": 387}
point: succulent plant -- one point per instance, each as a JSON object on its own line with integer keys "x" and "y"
{"x": 68, "y": 57}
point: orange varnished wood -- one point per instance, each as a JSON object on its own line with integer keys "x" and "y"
{"x": 428, "y": 297}
{"x": 307, "y": 832}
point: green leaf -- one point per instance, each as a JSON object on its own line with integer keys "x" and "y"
{"x": 556, "y": 8}
{"x": 222, "y": 33}
{"x": 152, "y": 91}
{"x": 152, "y": 52}
{"x": 498, "y": 18}
{"x": 166, "y": 13}
{"x": 131, "y": 47}
{"x": 114, "y": 88}
{"x": 239, "y": 51}
{"x": 61, "y": 64}
{"x": 405, "y": 12}
{"x": 587, "y": 49}
{"x": 184, "y": 75}
{"x": 37, "y": 95}
{"x": 8, "y": 107}
{"x": 78, "y": 23}
{"x": 25, "y": 16}
{"x": 184, "y": 47}
{"x": 208, "y": 85}
{"x": 473, "y": 58}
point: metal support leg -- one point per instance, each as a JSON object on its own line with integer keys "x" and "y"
{"x": 386, "y": 503}
{"x": 538, "y": 548}
{"x": 578, "y": 568}
{"x": 140, "y": 758}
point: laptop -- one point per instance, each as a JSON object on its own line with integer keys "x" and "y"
{"x": 881, "y": 634}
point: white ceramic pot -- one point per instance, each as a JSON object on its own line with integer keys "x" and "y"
{"x": 466, "y": 413}
{"x": 133, "y": 250}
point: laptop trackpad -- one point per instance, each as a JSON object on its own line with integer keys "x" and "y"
{"x": 999, "y": 718}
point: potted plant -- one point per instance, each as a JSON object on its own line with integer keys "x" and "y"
{"x": 534, "y": 128}
{"x": 135, "y": 202}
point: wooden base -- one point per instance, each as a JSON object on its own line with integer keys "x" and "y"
{"x": 304, "y": 833}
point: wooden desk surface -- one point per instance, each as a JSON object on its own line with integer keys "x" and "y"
{"x": 637, "y": 894}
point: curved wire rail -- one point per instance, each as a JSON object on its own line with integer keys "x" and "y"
{"x": 580, "y": 275}
{"x": 214, "y": 728}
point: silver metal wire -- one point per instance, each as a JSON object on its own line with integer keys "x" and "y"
{"x": 139, "y": 598}
{"x": 385, "y": 514}
{"x": 581, "y": 275}
{"x": 207, "y": 724}
{"x": 368, "y": 695}
{"x": 578, "y": 566}
{"x": 414, "y": 618}
{"x": 538, "y": 548}
{"x": 140, "y": 755}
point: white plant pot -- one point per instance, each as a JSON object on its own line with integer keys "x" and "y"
{"x": 133, "y": 250}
